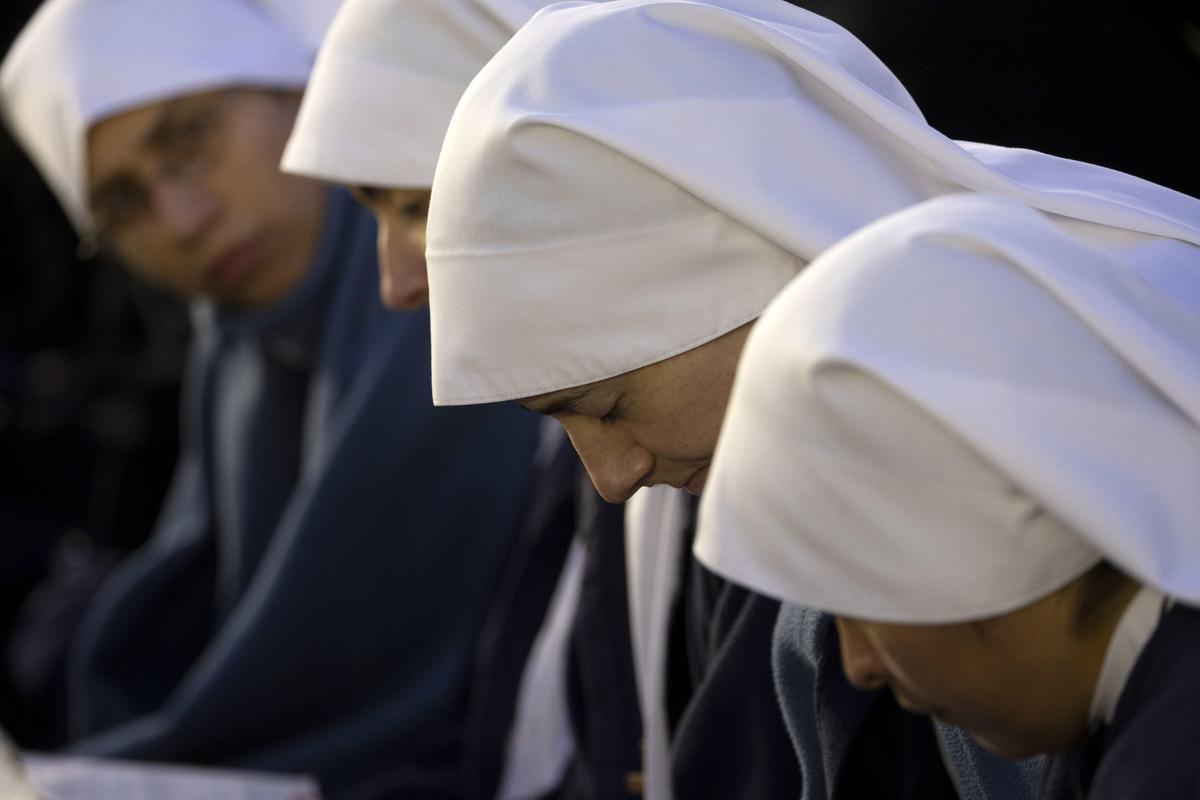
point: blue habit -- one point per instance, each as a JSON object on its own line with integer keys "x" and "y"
{"x": 1150, "y": 749}
{"x": 313, "y": 594}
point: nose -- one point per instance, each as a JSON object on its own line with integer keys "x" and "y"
{"x": 862, "y": 664}
{"x": 403, "y": 281}
{"x": 187, "y": 210}
{"x": 617, "y": 465}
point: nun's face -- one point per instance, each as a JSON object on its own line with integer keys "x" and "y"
{"x": 657, "y": 424}
{"x": 1021, "y": 683}
{"x": 401, "y": 214}
{"x": 188, "y": 192}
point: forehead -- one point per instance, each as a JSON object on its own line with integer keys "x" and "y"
{"x": 115, "y": 143}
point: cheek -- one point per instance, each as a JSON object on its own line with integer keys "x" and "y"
{"x": 677, "y": 434}
{"x": 683, "y": 425}
{"x": 251, "y": 182}
{"x": 966, "y": 685}
{"x": 409, "y": 239}
{"x": 296, "y": 203}
{"x": 401, "y": 252}
{"x": 289, "y": 209}
{"x": 919, "y": 674}
{"x": 932, "y": 670}
{"x": 416, "y": 235}
{"x": 157, "y": 265}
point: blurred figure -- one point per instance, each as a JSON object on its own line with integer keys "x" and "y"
{"x": 90, "y": 363}
{"x": 313, "y": 595}
{"x": 376, "y": 108}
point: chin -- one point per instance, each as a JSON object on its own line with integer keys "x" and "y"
{"x": 1007, "y": 749}
{"x": 695, "y": 485}
{"x": 1010, "y": 746}
{"x": 397, "y": 298}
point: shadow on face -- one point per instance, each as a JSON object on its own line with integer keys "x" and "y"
{"x": 654, "y": 425}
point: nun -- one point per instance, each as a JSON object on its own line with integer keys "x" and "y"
{"x": 313, "y": 597}
{"x": 971, "y": 432}
{"x": 621, "y": 192}
{"x": 375, "y": 110}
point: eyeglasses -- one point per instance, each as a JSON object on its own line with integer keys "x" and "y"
{"x": 186, "y": 143}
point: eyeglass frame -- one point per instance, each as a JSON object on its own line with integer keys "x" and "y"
{"x": 187, "y": 153}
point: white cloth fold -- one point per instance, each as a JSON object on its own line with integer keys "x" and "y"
{"x": 655, "y": 521}
{"x": 386, "y": 81}
{"x": 572, "y": 234}
{"x": 962, "y": 408}
{"x": 626, "y": 181}
{"x": 308, "y": 19}
{"x": 541, "y": 742}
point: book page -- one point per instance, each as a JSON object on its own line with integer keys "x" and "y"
{"x": 75, "y": 778}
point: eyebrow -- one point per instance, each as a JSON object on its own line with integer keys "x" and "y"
{"x": 165, "y": 124}
{"x": 160, "y": 131}
{"x": 566, "y": 402}
{"x": 367, "y": 194}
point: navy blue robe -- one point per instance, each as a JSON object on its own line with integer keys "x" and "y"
{"x": 729, "y": 740}
{"x": 602, "y": 689}
{"x": 1151, "y": 751}
{"x": 517, "y": 615}
{"x": 728, "y": 736}
{"x": 312, "y": 598}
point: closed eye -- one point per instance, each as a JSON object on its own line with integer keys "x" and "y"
{"x": 613, "y": 413}
{"x": 369, "y": 196}
{"x": 417, "y": 209}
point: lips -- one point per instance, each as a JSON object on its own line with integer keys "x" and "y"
{"x": 232, "y": 266}
{"x": 407, "y": 299}
{"x": 695, "y": 484}
{"x": 909, "y": 704}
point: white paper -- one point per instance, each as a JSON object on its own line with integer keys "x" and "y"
{"x": 71, "y": 778}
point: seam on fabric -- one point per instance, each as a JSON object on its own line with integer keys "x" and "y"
{"x": 584, "y": 240}
{"x": 691, "y": 345}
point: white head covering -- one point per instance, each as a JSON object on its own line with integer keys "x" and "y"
{"x": 628, "y": 180}
{"x": 957, "y": 411}
{"x": 80, "y": 61}
{"x": 308, "y": 19}
{"x": 386, "y": 81}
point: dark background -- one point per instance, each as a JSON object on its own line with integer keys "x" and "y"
{"x": 90, "y": 360}
{"x": 89, "y": 374}
{"x": 1114, "y": 83}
